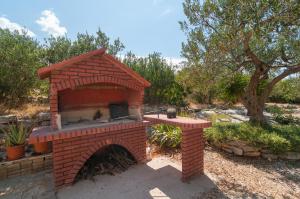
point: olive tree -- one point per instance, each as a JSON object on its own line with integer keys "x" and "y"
{"x": 257, "y": 38}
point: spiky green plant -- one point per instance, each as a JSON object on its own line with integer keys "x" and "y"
{"x": 166, "y": 135}
{"x": 15, "y": 134}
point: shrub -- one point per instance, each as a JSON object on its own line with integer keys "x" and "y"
{"x": 231, "y": 90}
{"x": 286, "y": 91}
{"x": 19, "y": 60}
{"x": 166, "y": 136}
{"x": 280, "y": 115}
{"x": 287, "y": 119}
{"x": 154, "y": 68}
{"x": 277, "y": 138}
{"x": 273, "y": 109}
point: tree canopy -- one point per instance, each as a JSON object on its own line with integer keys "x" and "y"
{"x": 19, "y": 60}
{"x": 257, "y": 38}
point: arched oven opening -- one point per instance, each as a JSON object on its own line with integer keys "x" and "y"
{"x": 109, "y": 160}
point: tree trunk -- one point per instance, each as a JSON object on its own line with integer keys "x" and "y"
{"x": 254, "y": 102}
{"x": 255, "y": 107}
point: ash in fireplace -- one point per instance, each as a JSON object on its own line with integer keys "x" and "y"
{"x": 110, "y": 160}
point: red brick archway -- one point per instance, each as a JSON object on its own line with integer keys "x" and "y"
{"x": 76, "y": 146}
{"x": 78, "y": 164}
{"x": 73, "y": 83}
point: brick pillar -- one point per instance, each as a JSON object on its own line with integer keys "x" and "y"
{"x": 53, "y": 106}
{"x": 192, "y": 152}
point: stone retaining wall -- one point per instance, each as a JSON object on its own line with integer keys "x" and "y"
{"x": 25, "y": 166}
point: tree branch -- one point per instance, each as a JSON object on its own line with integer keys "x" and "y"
{"x": 249, "y": 52}
{"x": 284, "y": 74}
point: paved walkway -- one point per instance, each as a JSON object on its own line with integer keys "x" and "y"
{"x": 159, "y": 178}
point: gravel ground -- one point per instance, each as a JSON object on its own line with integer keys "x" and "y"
{"x": 234, "y": 177}
{"x": 240, "y": 177}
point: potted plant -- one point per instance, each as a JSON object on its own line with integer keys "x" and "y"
{"x": 41, "y": 147}
{"x": 15, "y": 136}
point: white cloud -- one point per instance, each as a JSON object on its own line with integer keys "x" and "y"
{"x": 12, "y": 26}
{"x": 175, "y": 60}
{"x": 51, "y": 24}
{"x": 166, "y": 12}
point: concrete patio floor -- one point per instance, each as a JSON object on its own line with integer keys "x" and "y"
{"x": 159, "y": 178}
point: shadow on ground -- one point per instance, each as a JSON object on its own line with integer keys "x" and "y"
{"x": 159, "y": 179}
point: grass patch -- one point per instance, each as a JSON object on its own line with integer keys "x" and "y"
{"x": 277, "y": 138}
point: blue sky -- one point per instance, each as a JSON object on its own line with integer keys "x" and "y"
{"x": 144, "y": 26}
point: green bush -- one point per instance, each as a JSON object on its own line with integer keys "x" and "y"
{"x": 286, "y": 91}
{"x": 287, "y": 119}
{"x": 165, "y": 136}
{"x": 231, "y": 89}
{"x": 277, "y": 138}
{"x": 281, "y": 117}
{"x": 154, "y": 68}
{"x": 19, "y": 60}
{"x": 275, "y": 110}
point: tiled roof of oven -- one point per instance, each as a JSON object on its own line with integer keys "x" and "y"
{"x": 45, "y": 72}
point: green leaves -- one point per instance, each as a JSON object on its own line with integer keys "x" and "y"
{"x": 15, "y": 134}
{"x": 60, "y": 48}
{"x": 277, "y": 138}
{"x": 166, "y": 135}
{"x": 154, "y": 68}
{"x": 19, "y": 60}
{"x": 21, "y": 56}
{"x": 259, "y": 39}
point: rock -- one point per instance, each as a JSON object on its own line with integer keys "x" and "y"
{"x": 269, "y": 156}
{"x": 224, "y": 120}
{"x": 216, "y": 144}
{"x": 45, "y": 123}
{"x": 26, "y": 122}
{"x": 227, "y": 150}
{"x": 208, "y": 113}
{"x": 242, "y": 145}
{"x": 43, "y": 116}
{"x": 252, "y": 154}
{"x": 231, "y": 148}
{"x": 291, "y": 156}
{"x": 7, "y": 119}
{"x": 248, "y": 149}
{"x": 236, "y": 151}
{"x": 237, "y": 143}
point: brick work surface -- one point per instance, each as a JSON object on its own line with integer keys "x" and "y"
{"x": 70, "y": 154}
{"x": 192, "y": 145}
{"x": 25, "y": 166}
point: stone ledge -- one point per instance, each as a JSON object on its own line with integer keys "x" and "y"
{"x": 25, "y": 166}
{"x": 242, "y": 148}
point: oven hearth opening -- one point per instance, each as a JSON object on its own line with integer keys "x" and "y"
{"x": 97, "y": 104}
{"x": 109, "y": 160}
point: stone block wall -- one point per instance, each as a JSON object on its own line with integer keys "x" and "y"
{"x": 25, "y": 166}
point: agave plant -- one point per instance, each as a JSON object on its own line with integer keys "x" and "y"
{"x": 15, "y": 134}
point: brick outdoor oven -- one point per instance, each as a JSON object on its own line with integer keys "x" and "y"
{"x": 96, "y": 101}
